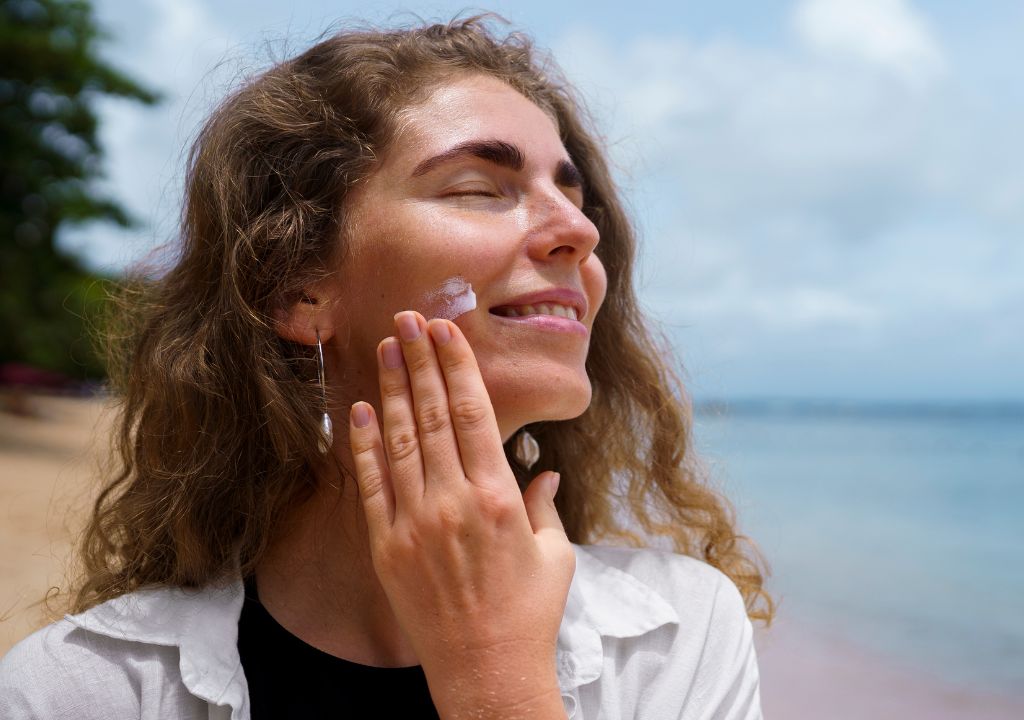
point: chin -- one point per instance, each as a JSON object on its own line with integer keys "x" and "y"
{"x": 560, "y": 396}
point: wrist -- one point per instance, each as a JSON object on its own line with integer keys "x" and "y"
{"x": 505, "y": 691}
{"x": 484, "y": 703}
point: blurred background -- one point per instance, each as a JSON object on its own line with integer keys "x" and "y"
{"x": 830, "y": 195}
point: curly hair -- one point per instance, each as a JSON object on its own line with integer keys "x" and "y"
{"x": 218, "y": 416}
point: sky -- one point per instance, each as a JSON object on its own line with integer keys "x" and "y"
{"x": 829, "y": 193}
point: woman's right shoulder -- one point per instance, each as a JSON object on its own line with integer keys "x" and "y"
{"x": 64, "y": 671}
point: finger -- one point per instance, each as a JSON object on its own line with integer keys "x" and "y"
{"x": 438, "y": 445}
{"x": 371, "y": 469}
{"x": 472, "y": 414}
{"x": 401, "y": 441}
{"x": 539, "y": 499}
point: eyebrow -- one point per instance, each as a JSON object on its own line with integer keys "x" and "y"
{"x": 501, "y": 153}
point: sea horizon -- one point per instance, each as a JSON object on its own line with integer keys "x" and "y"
{"x": 865, "y": 407}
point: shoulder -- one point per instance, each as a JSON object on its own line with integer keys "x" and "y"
{"x": 697, "y": 659}
{"x": 63, "y": 671}
{"x": 692, "y": 587}
{"x": 706, "y": 613}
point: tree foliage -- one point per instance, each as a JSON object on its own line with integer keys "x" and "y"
{"x": 50, "y": 77}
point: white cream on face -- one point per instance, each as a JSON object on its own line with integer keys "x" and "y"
{"x": 454, "y": 297}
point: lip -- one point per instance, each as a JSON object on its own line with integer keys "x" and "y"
{"x": 546, "y": 322}
{"x": 558, "y": 296}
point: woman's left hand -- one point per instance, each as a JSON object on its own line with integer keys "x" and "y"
{"x": 477, "y": 573}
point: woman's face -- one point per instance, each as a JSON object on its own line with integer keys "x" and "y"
{"x": 477, "y": 185}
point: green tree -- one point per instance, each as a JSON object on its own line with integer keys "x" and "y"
{"x": 50, "y": 78}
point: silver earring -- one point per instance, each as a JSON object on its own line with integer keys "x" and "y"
{"x": 326, "y": 426}
{"x": 526, "y": 449}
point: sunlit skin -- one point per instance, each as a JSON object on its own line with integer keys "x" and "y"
{"x": 507, "y": 232}
{"x": 431, "y": 211}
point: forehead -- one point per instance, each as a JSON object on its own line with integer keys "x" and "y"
{"x": 474, "y": 108}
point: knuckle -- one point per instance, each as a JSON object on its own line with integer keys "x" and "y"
{"x": 497, "y": 505}
{"x": 402, "y": 545}
{"x": 405, "y": 547}
{"x": 433, "y": 418}
{"x": 393, "y": 389}
{"x": 449, "y": 519}
{"x": 371, "y": 482}
{"x": 458, "y": 364}
{"x": 362, "y": 444}
{"x": 418, "y": 362}
{"x": 402, "y": 443}
{"x": 469, "y": 412}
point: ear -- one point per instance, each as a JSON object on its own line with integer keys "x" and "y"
{"x": 303, "y": 319}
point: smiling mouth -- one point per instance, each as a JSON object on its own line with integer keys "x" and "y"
{"x": 552, "y": 309}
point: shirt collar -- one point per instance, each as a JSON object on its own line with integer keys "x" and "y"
{"x": 603, "y": 601}
{"x": 202, "y": 624}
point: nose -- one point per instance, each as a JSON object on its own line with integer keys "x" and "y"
{"x": 560, "y": 231}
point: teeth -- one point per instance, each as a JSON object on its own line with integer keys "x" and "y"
{"x": 540, "y": 309}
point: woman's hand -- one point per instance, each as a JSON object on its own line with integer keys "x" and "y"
{"x": 476, "y": 573}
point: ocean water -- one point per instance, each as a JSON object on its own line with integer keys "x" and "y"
{"x": 900, "y": 528}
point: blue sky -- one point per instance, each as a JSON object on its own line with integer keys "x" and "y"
{"x": 830, "y": 193}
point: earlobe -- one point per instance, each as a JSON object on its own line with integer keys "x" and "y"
{"x": 300, "y": 321}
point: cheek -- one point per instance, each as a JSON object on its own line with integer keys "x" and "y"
{"x": 428, "y": 271}
{"x": 595, "y": 282}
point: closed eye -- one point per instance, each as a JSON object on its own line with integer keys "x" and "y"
{"x": 575, "y": 195}
{"x": 484, "y": 193}
{"x": 478, "y": 189}
{"x": 570, "y": 179}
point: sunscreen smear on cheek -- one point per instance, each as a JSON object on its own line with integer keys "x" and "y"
{"x": 454, "y": 297}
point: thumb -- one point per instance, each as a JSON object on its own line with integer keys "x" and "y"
{"x": 539, "y": 499}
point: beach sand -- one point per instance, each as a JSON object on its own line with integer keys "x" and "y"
{"x": 810, "y": 673}
{"x": 47, "y": 479}
{"x": 48, "y": 467}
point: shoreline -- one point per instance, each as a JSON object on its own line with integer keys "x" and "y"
{"x": 807, "y": 672}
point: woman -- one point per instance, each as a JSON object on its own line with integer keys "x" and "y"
{"x": 412, "y": 237}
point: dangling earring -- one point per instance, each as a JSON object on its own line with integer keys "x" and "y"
{"x": 326, "y": 426}
{"x": 526, "y": 449}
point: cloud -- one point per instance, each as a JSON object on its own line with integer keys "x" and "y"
{"x": 888, "y": 34}
{"x": 776, "y": 129}
{"x": 821, "y": 205}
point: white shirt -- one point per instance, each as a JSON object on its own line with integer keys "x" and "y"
{"x": 646, "y": 634}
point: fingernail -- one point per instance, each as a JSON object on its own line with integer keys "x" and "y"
{"x": 360, "y": 414}
{"x": 553, "y": 479}
{"x": 440, "y": 331}
{"x": 408, "y": 326}
{"x": 391, "y": 352}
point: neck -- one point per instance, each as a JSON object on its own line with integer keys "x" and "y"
{"x": 317, "y": 580}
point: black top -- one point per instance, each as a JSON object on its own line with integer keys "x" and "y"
{"x": 289, "y": 679}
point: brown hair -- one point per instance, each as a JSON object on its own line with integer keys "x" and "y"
{"x": 218, "y": 428}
